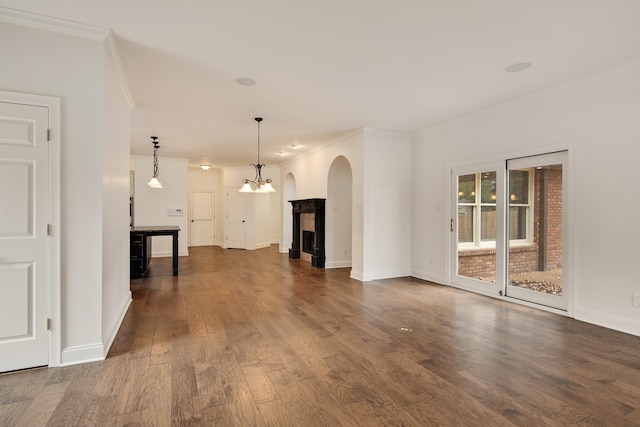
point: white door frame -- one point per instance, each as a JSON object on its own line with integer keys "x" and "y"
{"x": 53, "y": 105}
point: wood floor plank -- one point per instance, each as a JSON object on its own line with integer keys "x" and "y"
{"x": 41, "y": 408}
{"x": 10, "y": 413}
{"x": 77, "y": 395}
{"x": 274, "y": 413}
{"x": 130, "y": 395}
{"x": 185, "y": 402}
{"x": 254, "y": 338}
{"x": 259, "y": 383}
{"x": 302, "y": 410}
{"x": 157, "y": 401}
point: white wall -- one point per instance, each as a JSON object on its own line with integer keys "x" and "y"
{"x": 152, "y": 204}
{"x": 75, "y": 70}
{"x": 597, "y": 118}
{"x": 387, "y": 204}
{"x": 116, "y": 294}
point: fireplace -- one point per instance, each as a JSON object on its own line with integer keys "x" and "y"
{"x": 308, "y": 231}
{"x": 307, "y": 241}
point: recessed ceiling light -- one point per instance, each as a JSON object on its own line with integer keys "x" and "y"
{"x": 517, "y": 67}
{"x": 294, "y": 146}
{"x": 282, "y": 153}
{"x": 245, "y": 81}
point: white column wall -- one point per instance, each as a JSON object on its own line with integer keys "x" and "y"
{"x": 116, "y": 293}
{"x": 387, "y": 204}
{"x": 597, "y": 118}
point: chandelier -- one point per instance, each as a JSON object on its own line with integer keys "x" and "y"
{"x": 154, "y": 183}
{"x": 257, "y": 184}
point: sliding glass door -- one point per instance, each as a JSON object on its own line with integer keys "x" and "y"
{"x": 508, "y": 229}
{"x": 478, "y": 195}
{"x": 536, "y": 229}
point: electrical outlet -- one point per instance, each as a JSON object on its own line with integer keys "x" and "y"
{"x": 636, "y": 300}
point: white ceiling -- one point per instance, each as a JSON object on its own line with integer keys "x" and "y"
{"x": 326, "y": 67}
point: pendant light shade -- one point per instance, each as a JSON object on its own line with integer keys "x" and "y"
{"x": 154, "y": 183}
{"x": 257, "y": 184}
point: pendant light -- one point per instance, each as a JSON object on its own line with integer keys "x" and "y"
{"x": 154, "y": 183}
{"x": 257, "y": 184}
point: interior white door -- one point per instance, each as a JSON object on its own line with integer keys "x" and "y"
{"x": 202, "y": 218}
{"x": 236, "y": 221}
{"x": 24, "y": 248}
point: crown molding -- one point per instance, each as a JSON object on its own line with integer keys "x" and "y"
{"x": 56, "y": 25}
{"x": 74, "y": 29}
{"x": 114, "y": 58}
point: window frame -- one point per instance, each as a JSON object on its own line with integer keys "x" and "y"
{"x": 476, "y": 210}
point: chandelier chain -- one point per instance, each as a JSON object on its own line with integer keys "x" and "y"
{"x": 155, "y": 159}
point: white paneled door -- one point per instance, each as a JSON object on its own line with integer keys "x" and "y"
{"x": 236, "y": 221}
{"x": 202, "y": 218}
{"x": 24, "y": 246}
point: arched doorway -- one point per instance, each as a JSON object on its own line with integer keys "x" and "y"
{"x": 339, "y": 214}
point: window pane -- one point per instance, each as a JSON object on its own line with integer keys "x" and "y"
{"x": 465, "y": 224}
{"x": 467, "y": 189}
{"x": 488, "y": 187}
{"x": 519, "y": 186}
{"x": 518, "y": 222}
{"x": 488, "y": 223}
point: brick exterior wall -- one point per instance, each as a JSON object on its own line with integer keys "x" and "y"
{"x": 481, "y": 263}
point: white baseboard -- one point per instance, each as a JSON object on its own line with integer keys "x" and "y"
{"x": 379, "y": 275}
{"x": 357, "y": 275}
{"x": 337, "y": 264}
{"x": 82, "y": 354}
{"x": 108, "y": 340}
{"x": 165, "y": 254}
{"x": 428, "y": 276}
{"x": 611, "y": 321}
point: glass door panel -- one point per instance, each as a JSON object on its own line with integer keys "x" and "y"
{"x": 475, "y": 230}
{"x": 535, "y": 186}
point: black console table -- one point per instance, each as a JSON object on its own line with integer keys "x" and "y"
{"x": 140, "y": 241}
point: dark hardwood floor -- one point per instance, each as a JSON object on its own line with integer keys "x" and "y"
{"x": 250, "y": 338}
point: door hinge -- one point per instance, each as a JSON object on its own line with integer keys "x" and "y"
{"x": 48, "y": 229}
{"x": 48, "y": 324}
{"x": 48, "y": 134}
{"x": 451, "y": 224}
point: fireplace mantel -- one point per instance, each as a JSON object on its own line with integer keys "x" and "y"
{"x": 316, "y": 207}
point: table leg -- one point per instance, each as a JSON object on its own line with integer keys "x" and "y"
{"x": 175, "y": 253}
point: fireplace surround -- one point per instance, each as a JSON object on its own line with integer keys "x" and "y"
{"x": 314, "y": 228}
